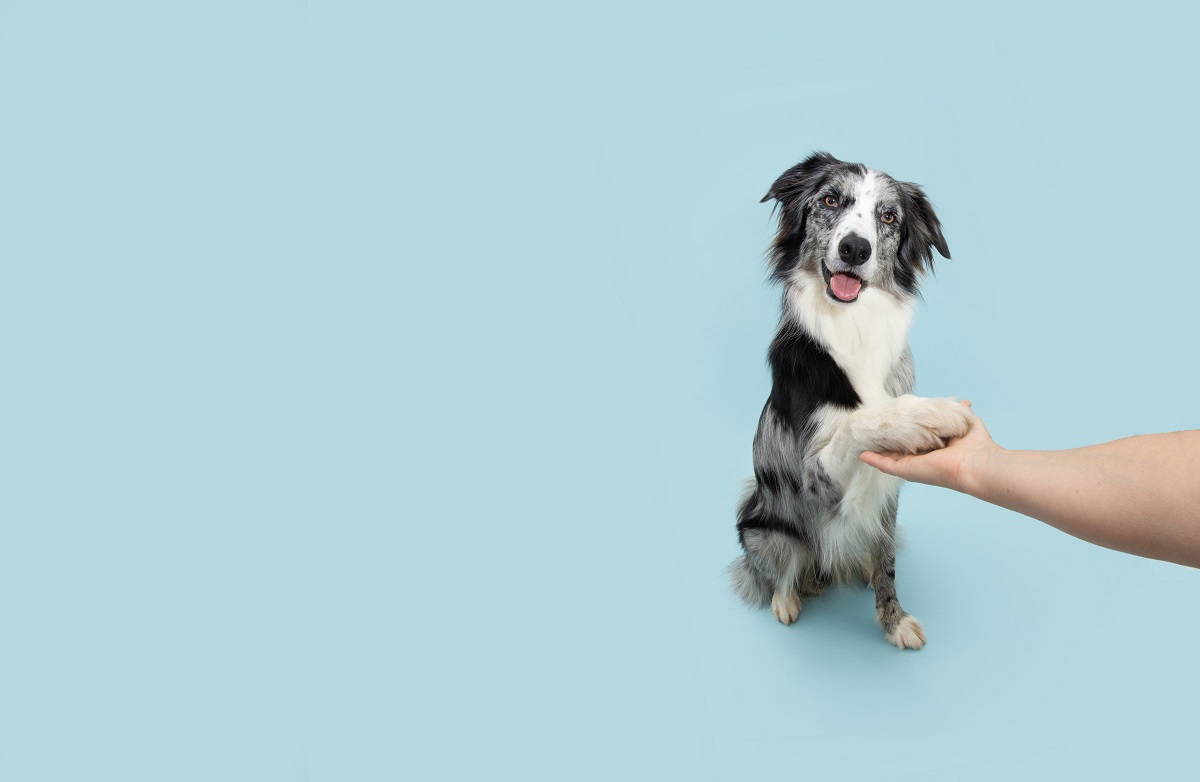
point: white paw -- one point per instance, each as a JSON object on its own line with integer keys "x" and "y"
{"x": 786, "y": 607}
{"x": 919, "y": 424}
{"x": 946, "y": 417}
{"x": 908, "y": 634}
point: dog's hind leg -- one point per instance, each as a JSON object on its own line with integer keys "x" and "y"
{"x": 785, "y": 604}
{"x": 771, "y": 569}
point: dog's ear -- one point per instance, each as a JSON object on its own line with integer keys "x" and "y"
{"x": 922, "y": 231}
{"x": 792, "y": 191}
{"x": 799, "y": 181}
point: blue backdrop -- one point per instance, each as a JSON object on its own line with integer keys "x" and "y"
{"x": 379, "y": 382}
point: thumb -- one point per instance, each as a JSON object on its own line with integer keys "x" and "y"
{"x": 882, "y": 462}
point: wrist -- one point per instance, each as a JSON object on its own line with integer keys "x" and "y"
{"x": 976, "y": 468}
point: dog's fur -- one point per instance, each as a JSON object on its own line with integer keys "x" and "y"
{"x": 842, "y": 377}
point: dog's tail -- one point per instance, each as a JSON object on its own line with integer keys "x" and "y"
{"x": 749, "y": 583}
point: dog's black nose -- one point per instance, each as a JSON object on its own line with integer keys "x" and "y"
{"x": 854, "y": 250}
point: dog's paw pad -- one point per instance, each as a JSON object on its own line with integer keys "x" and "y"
{"x": 786, "y": 607}
{"x": 908, "y": 634}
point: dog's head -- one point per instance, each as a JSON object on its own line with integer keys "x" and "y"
{"x": 851, "y": 228}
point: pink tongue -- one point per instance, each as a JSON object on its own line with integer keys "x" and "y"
{"x": 844, "y": 286}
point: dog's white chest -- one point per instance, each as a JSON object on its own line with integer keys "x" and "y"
{"x": 866, "y": 339}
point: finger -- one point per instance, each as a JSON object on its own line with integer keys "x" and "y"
{"x": 966, "y": 403}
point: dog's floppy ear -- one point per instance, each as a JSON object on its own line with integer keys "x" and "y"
{"x": 800, "y": 180}
{"x": 792, "y": 191}
{"x": 922, "y": 231}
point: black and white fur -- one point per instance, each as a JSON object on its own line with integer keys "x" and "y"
{"x": 842, "y": 377}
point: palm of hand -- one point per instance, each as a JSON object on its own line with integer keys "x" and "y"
{"x": 942, "y": 467}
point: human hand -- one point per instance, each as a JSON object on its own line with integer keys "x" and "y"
{"x": 950, "y": 467}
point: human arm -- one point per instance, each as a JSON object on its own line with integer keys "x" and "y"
{"x": 1140, "y": 494}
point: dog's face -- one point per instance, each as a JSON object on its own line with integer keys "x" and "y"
{"x": 851, "y": 228}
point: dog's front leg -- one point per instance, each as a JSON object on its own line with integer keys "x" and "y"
{"x": 899, "y": 628}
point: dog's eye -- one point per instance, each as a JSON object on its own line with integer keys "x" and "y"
{"x": 888, "y": 217}
{"x": 831, "y": 201}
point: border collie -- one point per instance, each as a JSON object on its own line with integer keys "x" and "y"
{"x": 851, "y": 248}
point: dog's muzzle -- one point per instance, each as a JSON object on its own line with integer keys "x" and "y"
{"x": 845, "y": 284}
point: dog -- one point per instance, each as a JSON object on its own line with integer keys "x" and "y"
{"x": 852, "y": 246}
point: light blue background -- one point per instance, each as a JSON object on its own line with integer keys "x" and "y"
{"x": 378, "y": 384}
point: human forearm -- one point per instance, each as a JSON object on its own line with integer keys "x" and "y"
{"x": 1140, "y": 494}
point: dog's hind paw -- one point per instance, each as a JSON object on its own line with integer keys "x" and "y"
{"x": 786, "y": 606}
{"x": 908, "y": 633}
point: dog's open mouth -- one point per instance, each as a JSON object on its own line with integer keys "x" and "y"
{"x": 843, "y": 286}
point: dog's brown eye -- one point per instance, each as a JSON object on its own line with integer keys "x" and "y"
{"x": 888, "y": 218}
{"x": 831, "y": 200}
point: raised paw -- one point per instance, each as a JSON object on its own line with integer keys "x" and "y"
{"x": 947, "y": 418}
{"x": 786, "y": 606}
{"x": 907, "y": 634}
{"x": 919, "y": 424}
